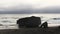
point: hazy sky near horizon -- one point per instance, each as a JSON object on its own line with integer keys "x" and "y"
{"x": 23, "y": 4}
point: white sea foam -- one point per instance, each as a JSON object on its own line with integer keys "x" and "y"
{"x": 9, "y": 20}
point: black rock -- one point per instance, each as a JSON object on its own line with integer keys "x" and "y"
{"x": 29, "y": 22}
{"x": 44, "y": 25}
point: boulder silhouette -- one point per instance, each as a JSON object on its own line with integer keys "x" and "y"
{"x": 29, "y": 22}
{"x": 44, "y": 25}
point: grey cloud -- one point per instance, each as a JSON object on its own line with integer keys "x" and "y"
{"x": 30, "y": 11}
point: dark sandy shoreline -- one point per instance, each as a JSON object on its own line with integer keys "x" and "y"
{"x": 31, "y": 31}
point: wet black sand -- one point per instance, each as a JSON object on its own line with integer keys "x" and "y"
{"x": 31, "y": 31}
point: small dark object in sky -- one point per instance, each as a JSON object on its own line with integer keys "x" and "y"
{"x": 29, "y": 22}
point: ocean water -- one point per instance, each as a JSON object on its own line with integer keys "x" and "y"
{"x": 8, "y": 21}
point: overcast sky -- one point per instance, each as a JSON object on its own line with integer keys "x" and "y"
{"x": 25, "y": 4}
